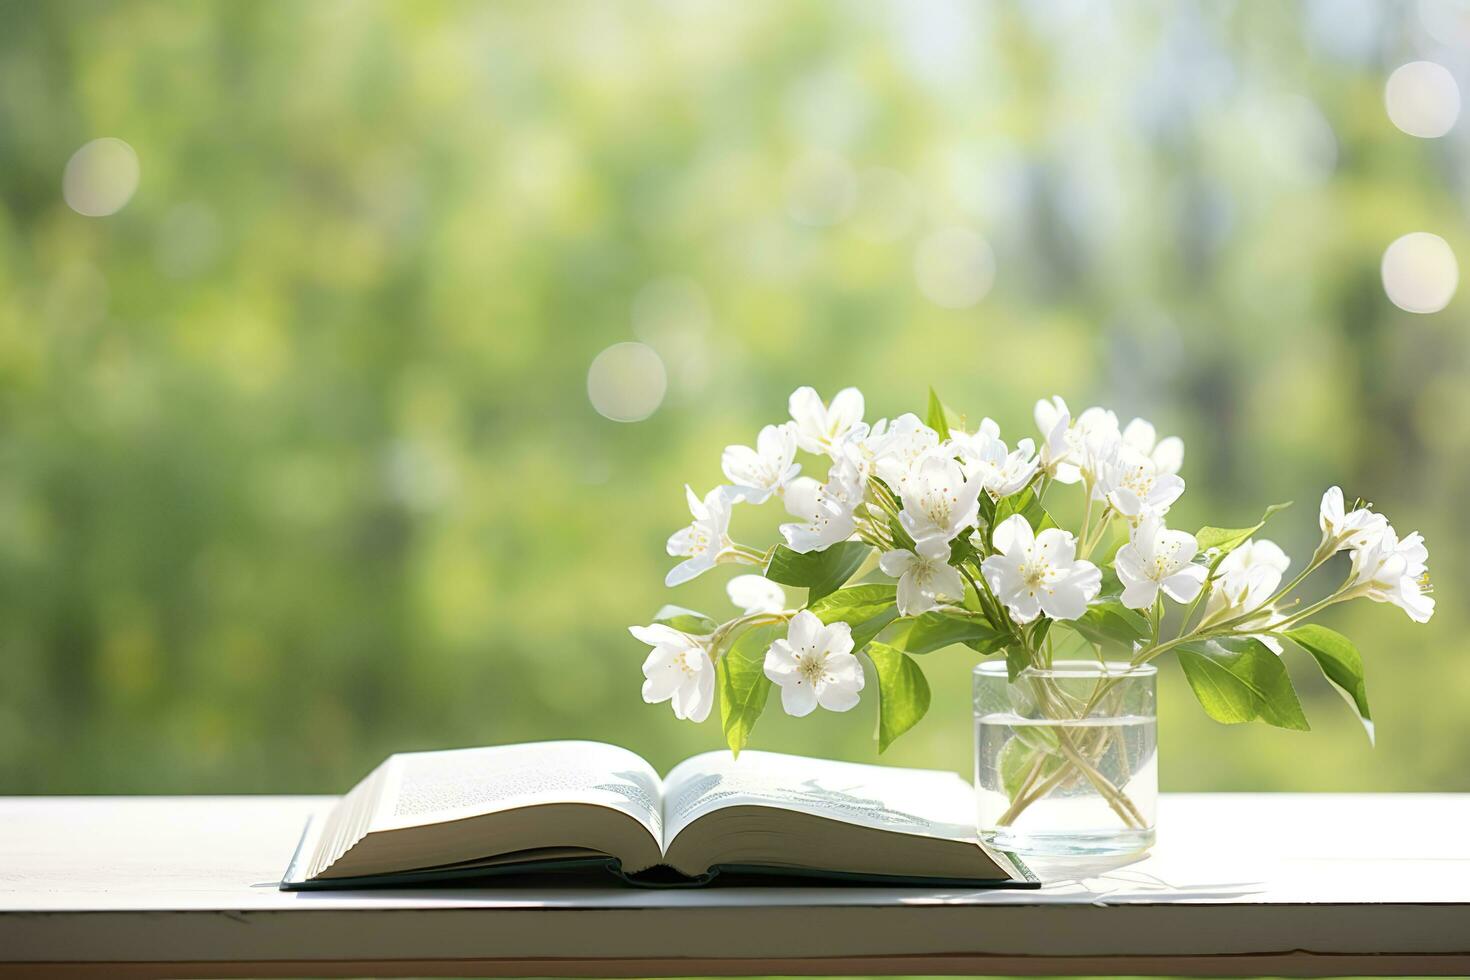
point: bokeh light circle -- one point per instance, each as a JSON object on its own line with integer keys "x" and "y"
{"x": 100, "y": 177}
{"x": 955, "y": 268}
{"x": 626, "y": 382}
{"x": 1420, "y": 273}
{"x": 1422, "y": 99}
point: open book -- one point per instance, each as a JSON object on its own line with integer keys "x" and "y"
{"x": 553, "y": 806}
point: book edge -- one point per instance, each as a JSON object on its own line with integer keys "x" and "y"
{"x": 294, "y": 880}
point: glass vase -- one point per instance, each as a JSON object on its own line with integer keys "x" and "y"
{"x": 1066, "y": 759}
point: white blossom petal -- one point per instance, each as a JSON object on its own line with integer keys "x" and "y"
{"x": 912, "y": 599}
{"x": 896, "y": 562}
{"x": 846, "y": 410}
{"x": 687, "y": 570}
{"x": 842, "y": 683}
{"x": 780, "y": 661}
{"x": 692, "y": 702}
{"x": 755, "y": 594}
{"x": 798, "y": 698}
{"x": 658, "y": 633}
{"x": 1169, "y": 455}
{"x": 1184, "y": 584}
{"x": 833, "y": 638}
{"x": 662, "y": 674}
{"x": 1140, "y": 435}
{"x": 804, "y": 630}
{"x": 1012, "y": 534}
{"x": 1069, "y": 595}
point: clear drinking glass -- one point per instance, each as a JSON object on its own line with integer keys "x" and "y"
{"x": 1066, "y": 758}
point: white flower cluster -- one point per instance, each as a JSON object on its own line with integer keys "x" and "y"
{"x": 1386, "y": 568}
{"x": 956, "y": 519}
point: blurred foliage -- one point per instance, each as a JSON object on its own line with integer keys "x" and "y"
{"x": 297, "y": 463}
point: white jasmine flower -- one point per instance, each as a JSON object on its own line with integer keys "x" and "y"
{"x": 1167, "y": 454}
{"x": 756, "y": 594}
{"x": 1039, "y": 573}
{"x": 1245, "y": 579}
{"x": 1248, "y": 576}
{"x": 1391, "y": 570}
{"x": 1134, "y": 485}
{"x": 814, "y": 665}
{"x": 897, "y": 447}
{"x": 706, "y": 541}
{"x": 862, "y": 442}
{"x": 821, "y": 427}
{"x": 974, "y": 444}
{"x": 1049, "y": 412}
{"x": 1096, "y": 444}
{"x": 852, "y": 461}
{"x": 1055, "y": 421}
{"x": 1001, "y": 473}
{"x": 678, "y": 670}
{"x": 938, "y": 500}
{"x": 1157, "y": 558}
{"x": 1080, "y": 450}
{"x": 1357, "y": 529}
{"x": 1098, "y": 421}
{"x": 924, "y": 576}
{"x": 826, "y": 509}
{"x": 767, "y": 468}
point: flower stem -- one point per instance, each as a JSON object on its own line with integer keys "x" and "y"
{"x": 740, "y": 623}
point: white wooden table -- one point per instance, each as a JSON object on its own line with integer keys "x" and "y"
{"x": 1238, "y": 884}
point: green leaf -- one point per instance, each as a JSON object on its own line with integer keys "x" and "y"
{"x": 987, "y": 510}
{"x": 820, "y": 572}
{"x": 866, "y": 608}
{"x": 744, "y": 685}
{"x": 1017, "y": 660}
{"x": 935, "y": 630}
{"x": 686, "y": 620}
{"x": 1227, "y": 539}
{"x": 855, "y": 603}
{"x": 1018, "y": 757}
{"x": 1038, "y": 631}
{"x": 901, "y": 537}
{"x": 1028, "y": 505}
{"x": 1110, "y": 623}
{"x": 940, "y": 417}
{"x": 1342, "y": 664}
{"x": 1240, "y": 680}
{"x": 903, "y": 693}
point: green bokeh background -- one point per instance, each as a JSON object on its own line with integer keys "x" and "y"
{"x": 297, "y": 462}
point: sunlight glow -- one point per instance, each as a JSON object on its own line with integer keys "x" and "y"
{"x": 955, "y": 267}
{"x": 1420, "y": 273}
{"x": 1422, "y": 99}
{"x": 100, "y": 177}
{"x": 626, "y": 382}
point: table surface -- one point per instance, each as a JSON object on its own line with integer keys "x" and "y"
{"x": 1285, "y": 884}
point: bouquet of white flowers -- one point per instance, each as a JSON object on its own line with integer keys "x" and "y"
{"x": 925, "y": 534}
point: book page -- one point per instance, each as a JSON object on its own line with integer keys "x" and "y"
{"x": 433, "y": 787}
{"x": 922, "y": 802}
